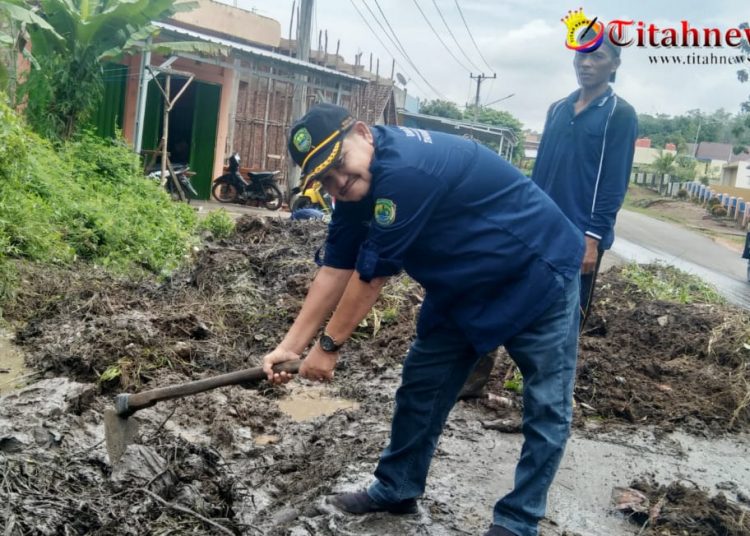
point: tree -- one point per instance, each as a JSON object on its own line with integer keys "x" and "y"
{"x": 664, "y": 164}
{"x": 685, "y": 168}
{"x": 498, "y": 118}
{"x": 66, "y": 88}
{"x": 484, "y": 115}
{"x": 441, "y": 108}
{"x": 742, "y": 130}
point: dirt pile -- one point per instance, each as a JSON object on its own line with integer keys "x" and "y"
{"x": 224, "y": 312}
{"x": 229, "y": 461}
{"x": 648, "y": 362}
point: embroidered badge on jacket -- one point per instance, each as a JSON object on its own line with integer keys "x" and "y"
{"x": 385, "y": 212}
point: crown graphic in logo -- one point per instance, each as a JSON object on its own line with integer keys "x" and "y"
{"x": 583, "y": 34}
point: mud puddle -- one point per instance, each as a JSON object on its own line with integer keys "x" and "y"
{"x": 12, "y": 369}
{"x": 305, "y": 403}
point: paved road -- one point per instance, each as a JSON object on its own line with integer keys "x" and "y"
{"x": 644, "y": 239}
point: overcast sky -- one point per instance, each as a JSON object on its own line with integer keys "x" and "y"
{"x": 523, "y": 42}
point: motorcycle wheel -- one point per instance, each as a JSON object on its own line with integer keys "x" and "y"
{"x": 224, "y": 192}
{"x": 273, "y": 196}
{"x": 301, "y": 202}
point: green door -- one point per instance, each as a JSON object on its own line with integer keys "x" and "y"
{"x": 153, "y": 117}
{"x": 108, "y": 117}
{"x": 203, "y": 143}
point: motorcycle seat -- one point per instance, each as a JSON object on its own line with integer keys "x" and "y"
{"x": 261, "y": 175}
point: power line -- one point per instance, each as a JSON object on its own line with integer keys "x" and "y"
{"x": 440, "y": 38}
{"x": 447, "y": 27}
{"x": 382, "y": 14}
{"x": 364, "y": 19}
{"x": 397, "y": 43}
{"x": 471, "y": 36}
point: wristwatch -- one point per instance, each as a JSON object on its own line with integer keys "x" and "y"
{"x": 328, "y": 343}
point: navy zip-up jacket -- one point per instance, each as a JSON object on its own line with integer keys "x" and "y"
{"x": 584, "y": 161}
{"x": 491, "y": 250}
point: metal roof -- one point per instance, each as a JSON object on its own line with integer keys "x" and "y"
{"x": 478, "y": 130}
{"x": 260, "y": 52}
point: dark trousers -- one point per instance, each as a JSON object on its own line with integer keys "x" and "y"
{"x": 588, "y": 282}
{"x": 434, "y": 372}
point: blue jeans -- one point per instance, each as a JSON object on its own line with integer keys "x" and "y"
{"x": 434, "y": 372}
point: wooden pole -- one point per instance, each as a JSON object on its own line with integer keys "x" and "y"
{"x": 165, "y": 130}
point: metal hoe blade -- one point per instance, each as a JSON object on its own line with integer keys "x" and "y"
{"x": 119, "y": 432}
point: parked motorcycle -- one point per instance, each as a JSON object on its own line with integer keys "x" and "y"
{"x": 313, "y": 197}
{"x": 183, "y": 174}
{"x": 261, "y": 187}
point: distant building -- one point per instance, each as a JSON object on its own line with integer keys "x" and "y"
{"x": 239, "y": 102}
{"x": 501, "y": 139}
{"x": 714, "y": 157}
{"x": 736, "y": 174}
{"x": 645, "y": 155}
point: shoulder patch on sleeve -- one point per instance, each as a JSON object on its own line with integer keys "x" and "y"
{"x": 385, "y": 212}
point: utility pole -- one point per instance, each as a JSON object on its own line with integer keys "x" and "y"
{"x": 299, "y": 99}
{"x": 479, "y": 78}
{"x": 140, "y": 108}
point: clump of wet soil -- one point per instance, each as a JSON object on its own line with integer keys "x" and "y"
{"x": 644, "y": 361}
{"x": 683, "y": 508}
{"x": 649, "y": 362}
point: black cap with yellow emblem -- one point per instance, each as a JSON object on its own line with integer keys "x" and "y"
{"x": 315, "y": 140}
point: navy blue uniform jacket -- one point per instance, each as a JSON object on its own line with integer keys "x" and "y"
{"x": 481, "y": 238}
{"x": 584, "y": 161}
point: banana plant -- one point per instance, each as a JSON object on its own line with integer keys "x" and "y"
{"x": 15, "y": 17}
{"x": 79, "y": 35}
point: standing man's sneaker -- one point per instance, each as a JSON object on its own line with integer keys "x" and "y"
{"x": 497, "y": 530}
{"x": 360, "y": 502}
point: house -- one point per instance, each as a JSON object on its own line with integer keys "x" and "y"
{"x": 645, "y": 155}
{"x": 736, "y": 175}
{"x": 238, "y": 102}
{"x": 713, "y": 157}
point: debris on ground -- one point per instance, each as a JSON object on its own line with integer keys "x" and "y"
{"x": 680, "y": 508}
{"x": 230, "y": 461}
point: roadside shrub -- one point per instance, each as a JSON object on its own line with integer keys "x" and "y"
{"x": 713, "y": 202}
{"x": 682, "y": 194}
{"x": 85, "y": 200}
{"x": 718, "y": 211}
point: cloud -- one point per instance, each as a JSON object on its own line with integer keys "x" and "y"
{"x": 523, "y": 40}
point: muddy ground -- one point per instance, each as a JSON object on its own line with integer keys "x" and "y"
{"x": 660, "y": 386}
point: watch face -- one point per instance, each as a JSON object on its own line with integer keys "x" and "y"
{"x": 327, "y": 344}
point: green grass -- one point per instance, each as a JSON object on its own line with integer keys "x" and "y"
{"x": 666, "y": 283}
{"x": 217, "y": 222}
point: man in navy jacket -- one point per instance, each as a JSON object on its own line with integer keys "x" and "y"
{"x": 500, "y": 266}
{"x": 585, "y": 157}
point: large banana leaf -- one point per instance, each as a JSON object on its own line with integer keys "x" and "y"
{"x": 164, "y": 48}
{"x": 106, "y": 25}
{"x": 18, "y": 13}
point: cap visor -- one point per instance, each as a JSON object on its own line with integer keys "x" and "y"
{"x": 321, "y": 163}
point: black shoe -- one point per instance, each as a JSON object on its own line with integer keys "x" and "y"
{"x": 497, "y": 530}
{"x": 476, "y": 384}
{"x": 360, "y": 502}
